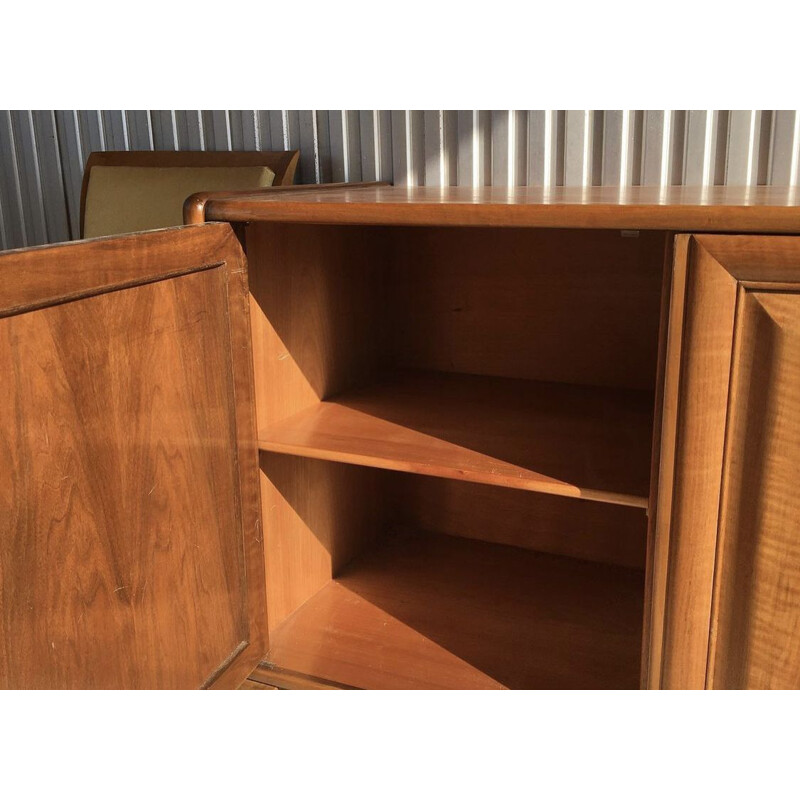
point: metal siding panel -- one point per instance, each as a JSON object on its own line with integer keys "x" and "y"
{"x": 749, "y": 136}
{"x": 739, "y": 148}
{"x": 30, "y": 179}
{"x": 140, "y": 134}
{"x": 42, "y": 154}
{"x": 612, "y": 147}
{"x": 764, "y": 147}
{"x": 579, "y": 130}
{"x": 244, "y": 133}
{"x": 339, "y": 155}
{"x": 782, "y": 147}
{"x": 519, "y": 148}
{"x": 369, "y": 148}
{"x": 10, "y": 189}
{"x": 694, "y": 148}
{"x": 52, "y": 177}
{"x": 557, "y": 155}
{"x": 415, "y": 124}
{"x": 653, "y": 148}
{"x": 73, "y": 161}
{"x": 451, "y": 146}
{"x": 308, "y": 168}
{"x": 385, "y": 146}
{"x": 165, "y": 130}
{"x": 434, "y": 162}
{"x": 500, "y": 147}
{"x": 323, "y": 144}
{"x": 400, "y": 149}
{"x": 464, "y": 148}
{"x": 353, "y": 145}
{"x": 399, "y": 165}
{"x": 598, "y": 127}
{"x": 441, "y": 148}
{"x": 279, "y": 130}
{"x": 473, "y": 145}
{"x": 677, "y": 145}
{"x": 290, "y": 122}
{"x": 115, "y": 127}
{"x": 408, "y": 148}
{"x": 265, "y": 133}
{"x": 345, "y": 139}
{"x": 631, "y": 148}
{"x": 190, "y": 130}
{"x": 720, "y": 146}
{"x": 216, "y": 130}
{"x": 92, "y": 131}
{"x": 537, "y": 122}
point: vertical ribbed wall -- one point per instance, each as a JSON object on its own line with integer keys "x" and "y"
{"x": 42, "y": 153}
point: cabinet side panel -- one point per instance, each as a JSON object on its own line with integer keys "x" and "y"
{"x": 318, "y": 515}
{"x": 317, "y": 313}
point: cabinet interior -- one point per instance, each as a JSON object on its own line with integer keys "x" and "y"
{"x": 455, "y": 428}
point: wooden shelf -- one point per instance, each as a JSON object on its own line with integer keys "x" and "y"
{"x": 575, "y": 441}
{"x": 427, "y": 611}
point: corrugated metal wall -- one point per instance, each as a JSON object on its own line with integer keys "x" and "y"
{"x": 42, "y": 153}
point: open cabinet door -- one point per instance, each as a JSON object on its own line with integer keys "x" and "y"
{"x": 726, "y": 569}
{"x": 130, "y": 545}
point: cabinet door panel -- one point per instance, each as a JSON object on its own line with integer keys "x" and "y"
{"x": 726, "y": 561}
{"x": 130, "y": 553}
{"x": 755, "y": 637}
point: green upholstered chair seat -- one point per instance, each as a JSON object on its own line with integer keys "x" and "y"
{"x": 128, "y": 199}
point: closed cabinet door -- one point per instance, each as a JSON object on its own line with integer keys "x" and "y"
{"x": 725, "y": 571}
{"x": 130, "y": 547}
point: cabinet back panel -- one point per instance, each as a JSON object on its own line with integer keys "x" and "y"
{"x": 601, "y": 532}
{"x": 553, "y": 305}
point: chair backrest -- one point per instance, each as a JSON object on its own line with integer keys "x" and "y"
{"x": 149, "y": 200}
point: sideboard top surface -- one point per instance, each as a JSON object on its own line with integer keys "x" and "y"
{"x": 763, "y": 209}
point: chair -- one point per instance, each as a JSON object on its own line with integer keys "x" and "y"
{"x": 127, "y": 191}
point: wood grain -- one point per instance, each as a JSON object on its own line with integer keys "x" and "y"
{"x": 130, "y": 545}
{"x": 249, "y": 684}
{"x": 318, "y": 309}
{"x": 423, "y": 611}
{"x": 601, "y": 532}
{"x": 761, "y": 209}
{"x": 698, "y": 396}
{"x": 194, "y": 209}
{"x": 317, "y": 516}
{"x": 33, "y": 278}
{"x": 576, "y": 307}
{"x": 755, "y": 636}
{"x": 572, "y": 441}
{"x": 658, "y": 514}
{"x": 268, "y": 676}
{"x": 726, "y": 580}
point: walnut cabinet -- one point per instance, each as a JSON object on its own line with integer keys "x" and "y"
{"x": 379, "y": 437}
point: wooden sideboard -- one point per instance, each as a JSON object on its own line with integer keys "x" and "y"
{"x": 447, "y": 438}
